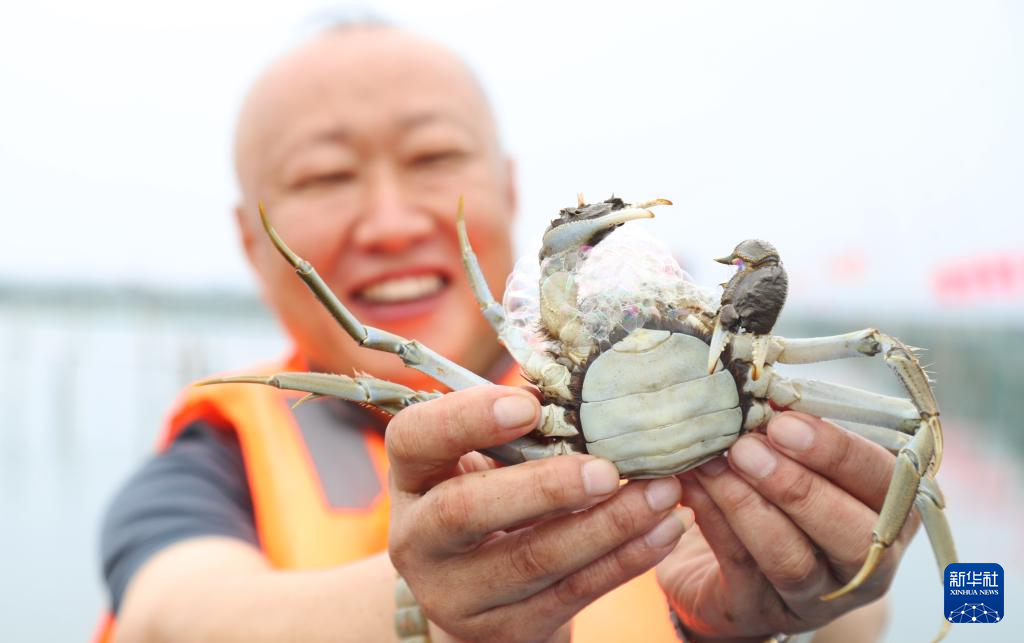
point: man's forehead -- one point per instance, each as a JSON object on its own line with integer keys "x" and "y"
{"x": 364, "y": 63}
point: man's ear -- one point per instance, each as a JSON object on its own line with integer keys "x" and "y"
{"x": 511, "y": 187}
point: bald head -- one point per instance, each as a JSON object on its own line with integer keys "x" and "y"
{"x": 325, "y": 87}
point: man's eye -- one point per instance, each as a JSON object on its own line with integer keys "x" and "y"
{"x": 326, "y": 179}
{"x": 429, "y": 159}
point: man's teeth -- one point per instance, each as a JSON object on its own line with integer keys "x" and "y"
{"x": 402, "y": 289}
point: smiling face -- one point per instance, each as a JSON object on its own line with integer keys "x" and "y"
{"x": 359, "y": 144}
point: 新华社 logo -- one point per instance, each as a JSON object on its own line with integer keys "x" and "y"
{"x": 974, "y": 592}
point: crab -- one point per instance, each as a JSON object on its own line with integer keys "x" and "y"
{"x": 638, "y": 365}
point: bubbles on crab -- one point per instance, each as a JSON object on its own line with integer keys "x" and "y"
{"x": 631, "y": 279}
{"x": 625, "y": 282}
{"x": 522, "y": 309}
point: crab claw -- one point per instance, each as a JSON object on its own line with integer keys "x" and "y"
{"x": 652, "y": 203}
{"x": 577, "y": 233}
{"x": 727, "y": 260}
{"x": 759, "y": 350}
{"x": 720, "y": 338}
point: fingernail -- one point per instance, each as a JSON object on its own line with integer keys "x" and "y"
{"x": 513, "y": 411}
{"x": 663, "y": 493}
{"x": 753, "y": 458}
{"x": 667, "y": 531}
{"x": 790, "y": 432}
{"x": 713, "y": 467}
{"x": 600, "y": 477}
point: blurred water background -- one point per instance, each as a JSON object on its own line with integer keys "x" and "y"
{"x": 879, "y": 146}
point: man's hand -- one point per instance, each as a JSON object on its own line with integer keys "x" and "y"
{"x": 785, "y": 521}
{"x": 506, "y": 553}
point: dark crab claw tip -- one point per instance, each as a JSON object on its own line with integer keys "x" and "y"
{"x": 577, "y": 233}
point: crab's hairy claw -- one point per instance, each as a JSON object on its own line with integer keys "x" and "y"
{"x": 491, "y": 310}
{"x": 720, "y": 339}
{"x": 413, "y": 354}
{"x": 577, "y": 233}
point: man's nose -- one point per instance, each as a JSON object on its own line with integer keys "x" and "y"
{"x": 390, "y": 221}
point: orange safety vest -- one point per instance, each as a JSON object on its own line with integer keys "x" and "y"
{"x": 299, "y": 529}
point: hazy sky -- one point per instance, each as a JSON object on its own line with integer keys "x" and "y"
{"x": 877, "y": 144}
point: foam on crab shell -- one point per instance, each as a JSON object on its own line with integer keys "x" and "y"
{"x": 620, "y": 281}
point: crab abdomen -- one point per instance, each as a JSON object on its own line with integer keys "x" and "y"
{"x": 650, "y": 407}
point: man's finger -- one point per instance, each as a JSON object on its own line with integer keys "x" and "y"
{"x": 457, "y": 514}
{"x": 530, "y": 560}
{"x": 853, "y": 463}
{"x": 740, "y": 572}
{"x": 838, "y": 523}
{"x": 734, "y": 559}
{"x": 783, "y": 552}
{"x": 425, "y": 441}
{"x": 565, "y": 598}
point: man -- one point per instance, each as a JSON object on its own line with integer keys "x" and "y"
{"x": 255, "y": 523}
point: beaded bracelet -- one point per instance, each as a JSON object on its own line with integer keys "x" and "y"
{"x": 410, "y": 623}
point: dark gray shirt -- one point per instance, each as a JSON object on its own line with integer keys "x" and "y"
{"x": 198, "y": 487}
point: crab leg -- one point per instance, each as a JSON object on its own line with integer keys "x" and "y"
{"x": 844, "y": 403}
{"x": 492, "y": 310}
{"x": 909, "y": 485}
{"x": 389, "y": 398}
{"x": 930, "y": 502}
{"x": 551, "y": 377}
{"x": 909, "y": 474}
{"x": 890, "y": 439}
{"x": 930, "y": 505}
{"x": 911, "y": 464}
{"x": 869, "y": 343}
{"x": 414, "y": 354}
{"x": 917, "y": 460}
{"x": 838, "y": 402}
{"x": 382, "y": 394}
